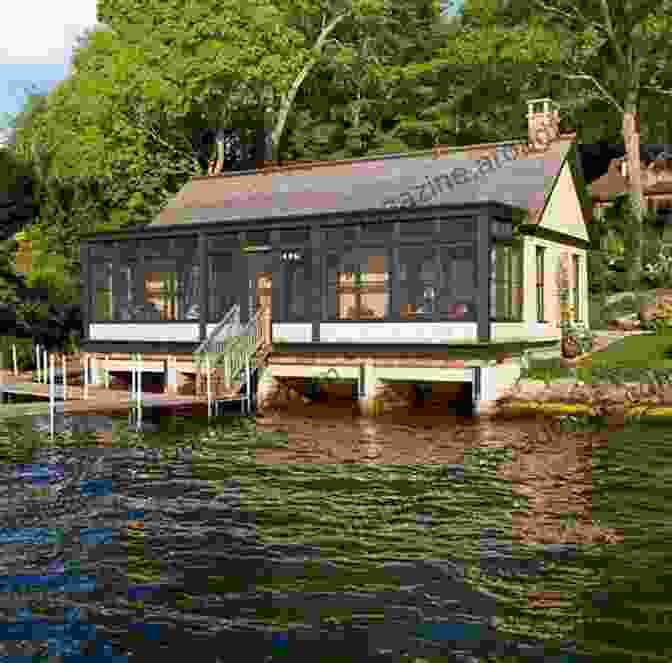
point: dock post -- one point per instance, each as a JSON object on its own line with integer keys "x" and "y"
{"x": 248, "y": 395}
{"x": 52, "y": 389}
{"x": 16, "y": 369}
{"x": 208, "y": 383}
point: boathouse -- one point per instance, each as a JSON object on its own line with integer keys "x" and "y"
{"x": 368, "y": 275}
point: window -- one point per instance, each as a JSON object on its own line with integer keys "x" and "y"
{"x": 358, "y": 284}
{"x": 540, "y": 251}
{"x": 170, "y": 280}
{"x": 418, "y": 282}
{"x": 102, "y": 290}
{"x": 101, "y": 257}
{"x": 298, "y": 285}
{"x": 222, "y": 293}
{"x": 506, "y": 296}
{"x": 577, "y": 279}
{"x": 457, "y": 285}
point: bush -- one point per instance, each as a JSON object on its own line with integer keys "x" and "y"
{"x": 663, "y": 319}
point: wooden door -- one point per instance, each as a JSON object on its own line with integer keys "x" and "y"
{"x": 263, "y": 290}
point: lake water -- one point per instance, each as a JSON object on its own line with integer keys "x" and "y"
{"x": 321, "y": 536}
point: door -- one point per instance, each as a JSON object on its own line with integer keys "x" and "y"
{"x": 262, "y": 300}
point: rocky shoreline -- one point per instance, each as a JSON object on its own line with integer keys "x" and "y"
{"x": 567, "y": 396}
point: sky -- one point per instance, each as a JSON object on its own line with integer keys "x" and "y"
{"x": 36, "y": 40}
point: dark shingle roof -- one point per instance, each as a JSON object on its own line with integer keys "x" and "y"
{"x": 369, "y": 184}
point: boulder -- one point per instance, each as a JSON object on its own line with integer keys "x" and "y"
{"x": 626, "y": 323}
{"x": 647, "y": 312}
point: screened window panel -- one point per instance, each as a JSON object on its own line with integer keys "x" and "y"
{"x": 257, "y": 237}
{"x": 102, "y": 290}
{"x": 341, "y": 236}
{"x": 300, "y": 236}
{"x": 457, "y": 287}
{"x": 170, "y": 280}
{"x": 418, "y": 282}
{"x": 377, "y": 231}
{"x": 223, "y": 242}
{"x": 222, "y": 285}
{"x": 299, "y": 290}
{"x": 507, "y": 285}
{"x": 417, "y": 228}
{"x": 577, "y": 281}
{"x": 127, "y": 297}
{"x": 358, "y": 284}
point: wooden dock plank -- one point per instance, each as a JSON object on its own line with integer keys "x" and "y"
{"x": 100, "y": 399}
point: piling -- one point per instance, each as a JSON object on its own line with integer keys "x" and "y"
{"x": 52, "y": 395}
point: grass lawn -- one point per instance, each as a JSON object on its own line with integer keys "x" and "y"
{"x": 646, "y": 351}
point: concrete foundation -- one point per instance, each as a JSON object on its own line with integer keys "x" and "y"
{"x": 379, "y": 388}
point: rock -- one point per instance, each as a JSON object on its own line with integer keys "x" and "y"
{"x": 628, "y": 323}
{"x": 647, "y": 312}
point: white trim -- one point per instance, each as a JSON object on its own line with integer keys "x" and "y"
{"x": 391, "y": 332}
{"x": 164, "y": 331}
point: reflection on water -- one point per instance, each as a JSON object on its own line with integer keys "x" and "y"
{"x": 323, "y": 536}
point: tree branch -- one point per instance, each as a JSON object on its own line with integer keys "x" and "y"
{"x": 592, "y": 79}
{"x": 568, "y": 16}
{"x": 146, "y": 127}
{"x": 657, "y": 89}
{"x": 606, "y": 14}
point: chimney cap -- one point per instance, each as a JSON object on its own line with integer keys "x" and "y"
{"x": 546, "y": 100}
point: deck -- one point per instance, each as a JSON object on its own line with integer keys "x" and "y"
{"x": 100, "y": 400}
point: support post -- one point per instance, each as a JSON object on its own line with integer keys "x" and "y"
{"x": 86, "y": 376}
{"x": 52, "y": 389}
{"x": 368, "y": 388}
{"x": 38, "y": 362}
{"x": 45, "y": 364}
{"x": 208, "y": 383}
{"x": 107, "y": 371}
{"x": 249, "y": 386}
{"x": 16, "y": 369}
{"x": 65, "y": 377}
{"x": 483, "y": 276}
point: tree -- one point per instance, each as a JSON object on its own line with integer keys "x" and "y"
{"x": 619, "y": 52}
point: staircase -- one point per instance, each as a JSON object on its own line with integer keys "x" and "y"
{"x": 233, "y": 355}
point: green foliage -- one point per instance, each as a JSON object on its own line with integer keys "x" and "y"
{"x": 24, "y": 352}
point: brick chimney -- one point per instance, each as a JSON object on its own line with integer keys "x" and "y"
{"x": 543, "y": 123}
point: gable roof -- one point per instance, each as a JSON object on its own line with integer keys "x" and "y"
{"x": 497, "y": 172}
{"x": 612, "y": 183}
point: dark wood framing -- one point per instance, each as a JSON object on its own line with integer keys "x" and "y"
{"x": 482, "y": 235}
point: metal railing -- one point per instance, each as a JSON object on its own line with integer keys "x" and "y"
{"x": 228, "y": 326}
{"x": 231, "y": 355}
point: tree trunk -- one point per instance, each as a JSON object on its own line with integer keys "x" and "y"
{"x": 288, "y": 99}
{"x": 634, "y": 176}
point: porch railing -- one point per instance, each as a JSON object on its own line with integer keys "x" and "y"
{"x": 228, "y": 326}
{"x": 235, "y": 353}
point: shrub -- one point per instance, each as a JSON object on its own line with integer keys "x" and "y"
{"x": 663, "y": 319}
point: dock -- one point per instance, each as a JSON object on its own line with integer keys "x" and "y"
{"x": 101, "y": 400}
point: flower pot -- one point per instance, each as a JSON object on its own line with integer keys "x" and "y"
{"x": 570, "y": 348}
